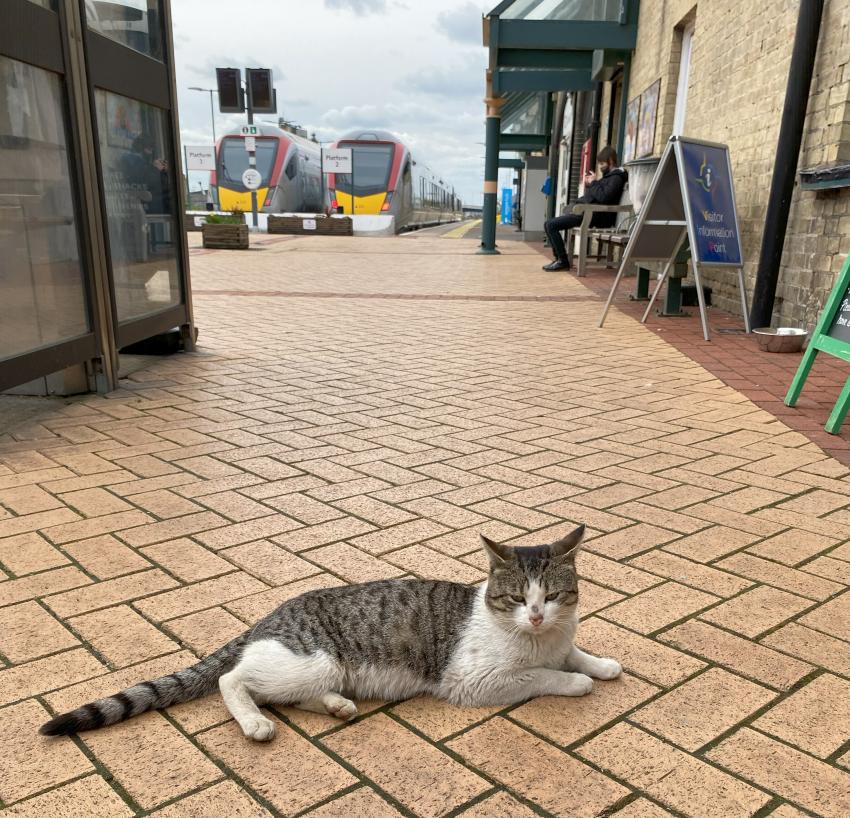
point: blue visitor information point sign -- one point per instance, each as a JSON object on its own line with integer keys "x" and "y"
{"x": 691, "y": 198}
{"x": 507, "y": 205}
{"x": 711, "y": 201}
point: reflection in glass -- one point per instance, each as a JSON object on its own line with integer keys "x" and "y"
{"x": 43, "y": 296}
{"x": 47, "y": 4}
{"x": 134, "y": 23}
{"x": 140, "y": 204}
{"x": 585, "y": 10}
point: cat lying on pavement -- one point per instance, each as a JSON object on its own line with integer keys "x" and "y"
{"x": 505, "y": 641}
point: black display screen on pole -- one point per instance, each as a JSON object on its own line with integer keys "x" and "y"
{"x": 261, "y": 88}
{"x": 230, "y": 97}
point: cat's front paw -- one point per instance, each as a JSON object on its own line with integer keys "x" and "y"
{"x": 607, "y": 669}
{"x": 261, "y": 729}
{"x": 578, "y": 685}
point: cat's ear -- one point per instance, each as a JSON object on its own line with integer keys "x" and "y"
{"x": 567, "y": 547}
{"x": 499, "y": 555}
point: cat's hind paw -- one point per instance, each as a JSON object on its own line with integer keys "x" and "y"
{"x": 340, "y": 707}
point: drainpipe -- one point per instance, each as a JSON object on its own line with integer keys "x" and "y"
{"x": 621, "y": 127}
{"x": 787, "y": 154}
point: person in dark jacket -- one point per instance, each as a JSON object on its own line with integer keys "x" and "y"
{"x": 606, "y": 190}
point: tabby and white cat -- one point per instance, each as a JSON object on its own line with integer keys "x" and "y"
{"x": 496, "y": 644}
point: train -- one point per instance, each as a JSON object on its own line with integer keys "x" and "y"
{"x": 290, "y": 166}
{"x": 387, "y": 180}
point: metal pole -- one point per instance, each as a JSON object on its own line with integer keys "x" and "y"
{"x": 212, "y": 114}
{"x": 252, "y": 155}
{"x": 491, "y": 176}
{"x": 787, "y": 154}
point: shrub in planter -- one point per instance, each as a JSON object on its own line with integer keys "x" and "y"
{"x": 225, "y": 231}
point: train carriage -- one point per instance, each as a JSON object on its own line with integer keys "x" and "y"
{"x": 387, "y": 180}
{"x": 290, "y": 166}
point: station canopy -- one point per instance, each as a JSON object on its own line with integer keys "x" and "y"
{"x": 537, "y": 47}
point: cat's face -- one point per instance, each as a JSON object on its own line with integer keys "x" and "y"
{"x": 533, "y": 589}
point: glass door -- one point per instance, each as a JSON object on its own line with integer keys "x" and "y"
{"x": 47, "y": 319}
{"x": 133, "y": 100}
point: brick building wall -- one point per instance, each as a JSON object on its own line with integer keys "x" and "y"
{"x": 739, "y": 69}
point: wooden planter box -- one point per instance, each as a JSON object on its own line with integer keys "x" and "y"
{"x": 225, "y": 236}
{"x": 295, "y": 225}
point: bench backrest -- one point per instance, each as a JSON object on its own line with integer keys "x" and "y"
{"x": 625, "y": 216}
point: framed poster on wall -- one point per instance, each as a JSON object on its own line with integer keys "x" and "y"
{"x": 632, "y": 120}
{"x": 648, "y": 115}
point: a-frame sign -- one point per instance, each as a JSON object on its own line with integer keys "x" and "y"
{"x": 690, "y": 197}
{"x": 832, "y": 336}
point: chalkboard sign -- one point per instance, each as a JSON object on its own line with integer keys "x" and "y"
{"x": 832, "y": 336}
{"x": 840, "y": 327}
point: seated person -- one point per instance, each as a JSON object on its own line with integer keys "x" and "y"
{"x": 606, "y": 190}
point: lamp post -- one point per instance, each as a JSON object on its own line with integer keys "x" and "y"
{"x": 212, "y": 106}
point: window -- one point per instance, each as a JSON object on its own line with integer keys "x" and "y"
{"x": 292, "y": 168}
{"x": 133, "y": 23}
{"x": 233, "y": 161}
{"x": 684, "y": 75}
{"x": 44, "y": 298}
{"x": 140, "y": 204}
{"x": 372, "y": 165}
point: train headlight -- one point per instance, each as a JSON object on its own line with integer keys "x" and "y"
{"x": 386, "y": 205}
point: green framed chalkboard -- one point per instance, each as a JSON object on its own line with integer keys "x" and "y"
{"x": 832, "y": 336}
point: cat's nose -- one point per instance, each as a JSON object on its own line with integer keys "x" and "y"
{"x": 535, "y": 619}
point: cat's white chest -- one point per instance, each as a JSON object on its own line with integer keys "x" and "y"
{"x": 486, "y": 648}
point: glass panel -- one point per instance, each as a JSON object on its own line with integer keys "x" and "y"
{"x": 524, "y": 116}
{"x": 44, "y": 299}
{"x": 233, "y": 161}
{"x": 140, "y": 204}
{"x": 47, "y": 4}
{"x": 372, "y": 165}
{"x": 134, "y": 23}
{"x": 585, "y": 10}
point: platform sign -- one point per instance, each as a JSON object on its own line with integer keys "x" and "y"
{"x": 832, "y": 336}
{"x": 252, "y": 179}
{"x": 336, "y": 160}
{"x": 200, "y": 157}
{"x": 691, "y": 197}
{"x": 507, "y": 205}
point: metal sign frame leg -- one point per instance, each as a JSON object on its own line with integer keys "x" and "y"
{"x": 664, "y": 276}
{"x": 744, "y": 306}
{"x": 703, "y": 314}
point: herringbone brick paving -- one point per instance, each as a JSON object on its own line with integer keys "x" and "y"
{"x": 317, "y": 440}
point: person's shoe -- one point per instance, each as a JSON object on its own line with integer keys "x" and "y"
{"x": 557, "y": 264}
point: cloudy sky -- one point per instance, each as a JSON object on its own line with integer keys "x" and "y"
{"x": 411, "y": 67}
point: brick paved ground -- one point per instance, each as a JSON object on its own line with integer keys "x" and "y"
{"x": 317, "y": 440}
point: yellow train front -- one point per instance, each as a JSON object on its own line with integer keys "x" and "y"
{"x": 386, "y": 180}
{"x": 290, "y": 167}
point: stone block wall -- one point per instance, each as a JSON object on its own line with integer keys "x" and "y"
{"x": 739, "y": 70}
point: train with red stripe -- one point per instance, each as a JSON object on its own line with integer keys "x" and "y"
{"x": 290, "y": 166}
{"x": 387, "y": 180}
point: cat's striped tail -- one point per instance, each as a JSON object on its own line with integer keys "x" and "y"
{"x": 183, "y": 686}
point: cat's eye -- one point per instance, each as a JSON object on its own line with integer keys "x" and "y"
{"x": 552, "y": 597}
{"x": 520, "y": 600}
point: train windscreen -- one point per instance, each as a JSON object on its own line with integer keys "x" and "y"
{"x": 372, "y": 165}
{"x": 233, "y": 161}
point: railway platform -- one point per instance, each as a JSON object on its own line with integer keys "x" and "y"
{"x": 361, "y": 408}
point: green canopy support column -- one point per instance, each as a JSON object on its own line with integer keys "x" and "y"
{"x": 491, "y": 174}
{"x": 621, "y": 129}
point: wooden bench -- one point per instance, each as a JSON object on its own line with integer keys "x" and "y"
{"x": 612, "y": 237}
